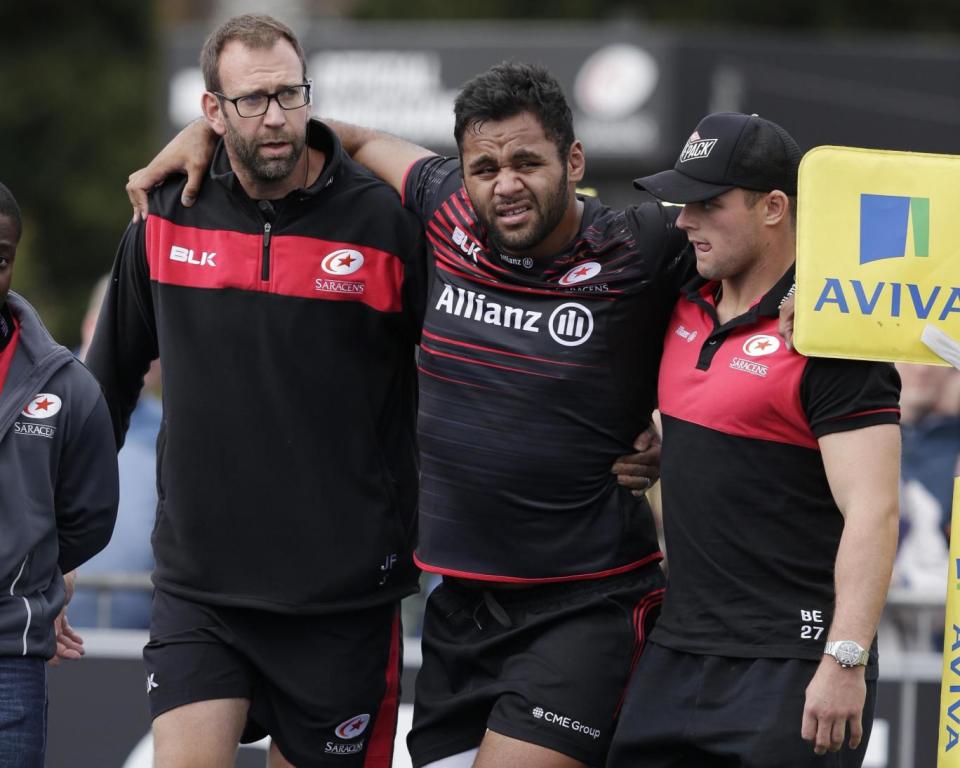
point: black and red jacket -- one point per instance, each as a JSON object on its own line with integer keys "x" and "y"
{"x": 286, "y": 463}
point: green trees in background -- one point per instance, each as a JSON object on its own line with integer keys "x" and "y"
{"x": 78, "y": 106}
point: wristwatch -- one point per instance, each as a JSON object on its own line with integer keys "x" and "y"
{"x": 848, "y": 653}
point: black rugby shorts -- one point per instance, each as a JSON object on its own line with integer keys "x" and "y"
{"x": 325, "y": 688}
{"x": 546, "y": 665}
{"x": 686, "y": 710}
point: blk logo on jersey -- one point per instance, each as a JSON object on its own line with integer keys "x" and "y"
{"x": 760, "y": 345}
{"x": 581, "y": 272}
{"x": 345, "y": 261}
{"x": 355, "y": 726}
{"x": 684, "y": 333}
{"x": 464, "y": 243}
{"x": 188, "y": 256}
{"x": 571, "y": 324}
{"x": 42, "y": 406}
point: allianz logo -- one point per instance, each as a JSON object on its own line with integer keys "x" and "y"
{"x": 188, "y": 256}
{"x": 570, "y": 324}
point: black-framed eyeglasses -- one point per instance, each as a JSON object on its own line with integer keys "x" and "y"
{"x": 256, "y": 104}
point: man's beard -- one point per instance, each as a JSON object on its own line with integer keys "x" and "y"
{"x": 551, "y": 213}
{"x": 263, "y": 168}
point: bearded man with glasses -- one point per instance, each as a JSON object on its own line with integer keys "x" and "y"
{"x": 284, "y": 307}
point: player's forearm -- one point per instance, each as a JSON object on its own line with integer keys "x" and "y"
{"x": 863, "y": 469}
{"x": 863, "y": 569}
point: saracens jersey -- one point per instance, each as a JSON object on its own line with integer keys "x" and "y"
{"x": 750, "y": 524}
{"x": 534, "y": 377}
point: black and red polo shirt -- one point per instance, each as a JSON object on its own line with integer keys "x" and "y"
{"x": 534, "y": 376}
{"x": 750, "y": 524}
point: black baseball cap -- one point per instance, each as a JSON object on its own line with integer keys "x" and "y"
{"x": 727, "y": 150}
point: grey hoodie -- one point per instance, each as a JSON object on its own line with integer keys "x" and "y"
{"x": 58, "y": 482}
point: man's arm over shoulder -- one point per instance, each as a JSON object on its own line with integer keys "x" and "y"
{"x": 125, "y": 341}
{"x": 87, "y": 491}
{"x": 190, "y": 152}
{"x": 388, "y": 156}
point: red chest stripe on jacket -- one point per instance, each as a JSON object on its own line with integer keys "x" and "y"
{"x": 305, "y": 267}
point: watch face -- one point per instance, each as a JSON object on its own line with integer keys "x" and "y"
{"x": 848, "y": 652}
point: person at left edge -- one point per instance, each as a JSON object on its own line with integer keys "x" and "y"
{"x": 58, "y": 501}
{"x": 283, "y": 308}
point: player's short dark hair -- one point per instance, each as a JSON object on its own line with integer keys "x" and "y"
{"x": 254, "y": 30}
{"x": 506, "y": 90}
{"x": 10, "y": 209}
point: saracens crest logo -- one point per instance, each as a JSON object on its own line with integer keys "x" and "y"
{"x": 341, "y": 263}
{"x": 581, "y": 272}
{"x": 345, "y": 261}
{"x": 42, "y": 406}
{"x": 760, "y": 345}
{"x": 353, "y": 727}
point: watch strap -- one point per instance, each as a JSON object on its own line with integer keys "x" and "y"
{"x": 831, "y": 648}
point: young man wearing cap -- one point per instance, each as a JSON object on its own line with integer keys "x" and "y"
{"x": 779, "y": 492}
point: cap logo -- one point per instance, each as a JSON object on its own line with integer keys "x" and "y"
{"x": 697, "y": 148}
